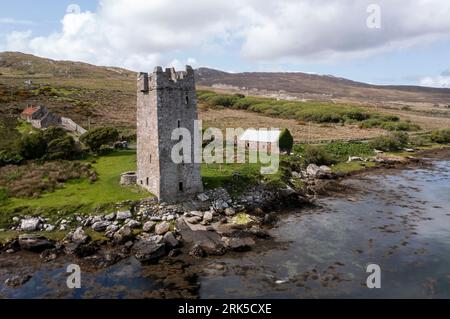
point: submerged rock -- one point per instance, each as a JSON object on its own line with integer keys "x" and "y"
{"x": 150, "y": 249}
{"x": 16, "y": 281}
{"x": 34, "y": 243}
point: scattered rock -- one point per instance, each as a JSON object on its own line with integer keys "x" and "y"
{"x": 50, "y": 228}
{"x": 149, "y": 226}
{"x": 238, "y": 244}
{"x": 34, "y": 243}
{"x": 170, "y": 240}
{"x": 123, "y": 215}
{"x": 17, "y": 281}
{"x": 197, "y": 251}
{"x": 148, "y": 250}
{"x": 230, "y": 211}
{"x": 123, "y": 235}
{"x": 162, "y": 228}
{"x": 208, "y": 217}
{"x": 110, "y": 217}
{"x": 194, "y": 220}
{"x": 80, "y": 237}
{"x": 100, "y": 226}
{"x": 133, "y": 224}
{"x": 355, "y": 159}
{"x": 30, "y": 224}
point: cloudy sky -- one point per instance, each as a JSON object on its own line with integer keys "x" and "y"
{"x": 381, "y": 42}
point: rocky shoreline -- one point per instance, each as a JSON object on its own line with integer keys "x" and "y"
{"x": 211, "y": 224}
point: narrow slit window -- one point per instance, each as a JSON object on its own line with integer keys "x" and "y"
{"x": 180, "y": 186}
{"x": 147, "y": 181}
{"x": 150, "y": 158}
{"x": 179, "y": 123}
{"x": 187, "y": 99}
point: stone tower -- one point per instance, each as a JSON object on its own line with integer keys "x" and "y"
{"x": 166, "y": 100}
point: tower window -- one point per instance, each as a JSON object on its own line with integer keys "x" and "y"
{"x": 147, "y": 181}
{"x": 187, "y": 100}
{"x": 180, "y": 186}
{"x": 179, "y": 123}
{"x": 150, "y": 158}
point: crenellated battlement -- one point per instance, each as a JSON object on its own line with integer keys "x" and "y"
{"x": 168, "y": 78}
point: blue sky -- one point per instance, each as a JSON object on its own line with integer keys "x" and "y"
{"x": 411, "y": 46}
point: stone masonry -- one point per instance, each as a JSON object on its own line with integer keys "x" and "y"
{"x": 166, "y": 100}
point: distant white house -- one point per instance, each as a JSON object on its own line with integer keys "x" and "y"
{"x": 262, "y": 139}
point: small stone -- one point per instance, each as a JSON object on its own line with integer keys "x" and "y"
{"x": 149, "y": 226}
{"x": 16, "y": 219}
{"x": 230, "y": 211}
{"x": 110, "y": 217}
{"x": 194, "y": 220}
{"x": 133, "y": 224}
{"x": 162, "y": 228}
{"x": 123, "y": 215}
{"x": 80, "y": 237}
{"x": 208, "y": 217}
{"x": 123, "y": 235}
{"x": 170, "y": 240}
{"x": 100, "y": 226}
{"x": 197, "y": 251}
{"x": 30, "y": 224}
{"x": 195, "y": 213}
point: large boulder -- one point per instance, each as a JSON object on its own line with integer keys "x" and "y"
{"x": 34, "y": 243}
{"x": 149, "y": 249}
{"x": 30, "y": 224}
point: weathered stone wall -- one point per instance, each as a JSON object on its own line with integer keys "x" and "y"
{"x": 166, "y": 100}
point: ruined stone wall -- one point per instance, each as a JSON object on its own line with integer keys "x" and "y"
{"x": 166, "y": 100}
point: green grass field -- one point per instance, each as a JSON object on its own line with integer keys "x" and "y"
{"x": 84, "y": 193}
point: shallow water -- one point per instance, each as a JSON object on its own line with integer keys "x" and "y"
{"x": 399, "y": 220}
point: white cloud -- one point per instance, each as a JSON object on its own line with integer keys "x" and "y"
{"x": 139, "y": 34}
{"x": 439, "y": 81}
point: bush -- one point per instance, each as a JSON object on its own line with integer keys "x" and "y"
{"x": 32, "y": 146}
{"x": 392, "y": 142}
{"x": 95, "y": 138}
{"x": 9, "y": 158}
{"x": 343, "y": 150}
{"x": 286, "y": 141}
{"x": 441, "y": 136}
{"x": 61, "y": 148}
{"x": 53, "y": 133}
{"x": 318, "y": 155}
{"x": 400, "y": 126}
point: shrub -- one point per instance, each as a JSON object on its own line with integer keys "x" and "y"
{"x": 61, "y": 148}
{"x": 286, "y": 141}
{"x": 400, "y": 126}
{"x": 95, "y": 138}
{"x": 441, "y": 136}
{"x": 32, "y": 146}
{"x": 53, "y": 133}
{"x": 7, "y": 158}
{"x": 392, "y": 142}
{"x": 343, "y": 150}
{"x": 318, "y": 155}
